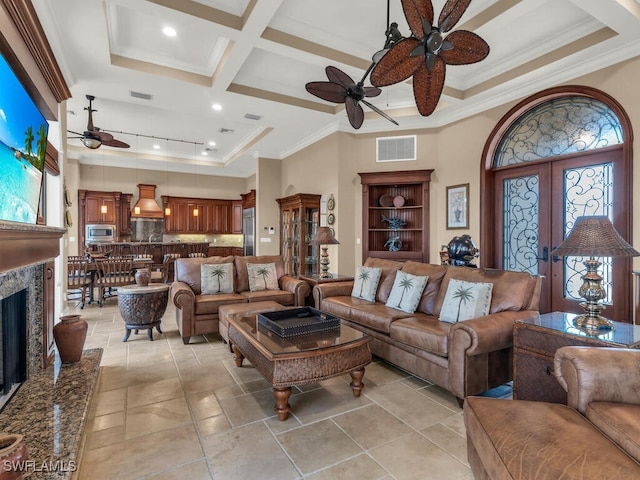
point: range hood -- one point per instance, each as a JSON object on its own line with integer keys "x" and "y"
{"x": 147, "y": 205}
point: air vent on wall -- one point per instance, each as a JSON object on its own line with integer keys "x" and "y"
{"x": 396, "y": 149}
{"x": 143, "y": 96}
{"x": 251, "y": 116}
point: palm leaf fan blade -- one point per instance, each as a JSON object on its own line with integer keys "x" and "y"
{"x": 467, "y": 48}
{"x": 336, "y": 75}
{"x": 451, "y": 14}
{"x": 354, "y": 113}
{"x": 428, "y": 85}
{"x": 397, "y": 64}
{"x": 115, "y": 143}
{"x": 415, "y": 11}
{"x": 372, "y": 91}
{"x": 331, "y": 92}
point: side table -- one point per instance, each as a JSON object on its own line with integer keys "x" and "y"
{"x": 315, "y": 279}
{"x": 142, "y": 307}
{"x": 535, "y": 342}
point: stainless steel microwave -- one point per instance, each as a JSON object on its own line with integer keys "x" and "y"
{"x": 100, "y": 233}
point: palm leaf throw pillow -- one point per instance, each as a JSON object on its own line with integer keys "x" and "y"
{"x": 406, "y": 291}
{"x": 262, "y": 276}
{"x": 366, "y": 283}
{"x": 216, "y": 278}
{"x": 465, "y": 300}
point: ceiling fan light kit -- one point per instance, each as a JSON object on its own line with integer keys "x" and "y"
{"x": 91, "y": 143}
{"x": 93, "y": 137}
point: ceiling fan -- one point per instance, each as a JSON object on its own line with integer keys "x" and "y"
{"x": 341, "y": 88}
{"x": 93, "y": 137}
{"x": 425, "y": 54}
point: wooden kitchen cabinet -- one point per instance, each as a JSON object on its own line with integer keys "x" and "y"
{"x": 124, "y": 226}
{"x": 90, "y": 204}
{"x": 214, "y": 215}
{"x": 236, "y": 216}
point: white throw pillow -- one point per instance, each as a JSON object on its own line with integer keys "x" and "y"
{"x": 465, "y": 300}
{"x": 216, "y": 278}
{"x": 262, "y": 276}
{"x": 366, "y": 283}
{"x": 406, "y": 291}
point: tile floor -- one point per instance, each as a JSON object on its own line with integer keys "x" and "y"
{"x": 165, "y": 410}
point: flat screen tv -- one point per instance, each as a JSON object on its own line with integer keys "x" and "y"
{"x": 23, "y": 144}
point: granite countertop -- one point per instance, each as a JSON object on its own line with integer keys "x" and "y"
{"x": 50, "y": 410}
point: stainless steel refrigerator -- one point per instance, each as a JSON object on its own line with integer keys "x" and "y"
{"x": 249, "y": 230}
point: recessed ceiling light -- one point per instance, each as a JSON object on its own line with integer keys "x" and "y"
{"x": 205, "y": 153}
{"x": 217, "y": 107}
{"x": 156, "y": 147}
{"x": 169, "y": 31}
{"x": 212, "y": 144}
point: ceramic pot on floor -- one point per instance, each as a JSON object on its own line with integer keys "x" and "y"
{"x": 69, "y": 335}
{"x": 13, "y": 455}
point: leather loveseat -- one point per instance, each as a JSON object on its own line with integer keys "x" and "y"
{"x": 595, "y": 436}
{"x": 464, "y": 358}
{"x": 197, "y": 314}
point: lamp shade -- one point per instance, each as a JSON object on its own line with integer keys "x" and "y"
{"x": 324, "y": 236}
{"x": 594, "y": 237}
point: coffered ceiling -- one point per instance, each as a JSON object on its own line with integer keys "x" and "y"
{"x": 253, "y": 58}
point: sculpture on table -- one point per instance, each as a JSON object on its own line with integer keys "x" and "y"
{"x": 462, "y": 251}
{"x": 394, "y": 244}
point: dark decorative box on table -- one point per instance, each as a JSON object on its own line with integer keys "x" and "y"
{"x": 298, "y": 321}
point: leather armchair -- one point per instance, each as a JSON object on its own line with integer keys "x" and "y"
{"x": 597, "y": 435}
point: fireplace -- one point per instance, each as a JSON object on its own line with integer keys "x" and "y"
{"x": 22, "y": 303}
{"x": 24, "y": 253}
{"x": 13, "y": 343}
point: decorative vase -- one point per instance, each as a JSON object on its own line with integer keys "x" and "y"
{"x": 69, "y": 335}
{"x": 143, "y": 276}
{"x": 13, "y": 456}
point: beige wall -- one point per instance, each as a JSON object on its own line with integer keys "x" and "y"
{"x": 96, "y": 177}
{"x": 267, "y": 210}
{"x": 454, "y": 152}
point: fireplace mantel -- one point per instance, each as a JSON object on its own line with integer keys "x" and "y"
{"x": 22, "y": 244}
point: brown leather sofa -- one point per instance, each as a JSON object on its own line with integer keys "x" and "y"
{"x": 464, "y": 358}
{"x": 595, "y": 436}
{"x": 197, "y": 314}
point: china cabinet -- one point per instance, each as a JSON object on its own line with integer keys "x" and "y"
{"x": 299, "y": 221}
{"x": 395, "y": 215}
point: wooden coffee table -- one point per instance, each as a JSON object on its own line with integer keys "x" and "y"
{"x": 299, "y": 360}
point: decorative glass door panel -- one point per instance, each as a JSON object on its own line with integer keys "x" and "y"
{"x": 520, "y": 223}
{"x": 587, "y": 191}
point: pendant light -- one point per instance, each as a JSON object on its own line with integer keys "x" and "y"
{"x": 167, "y": 209}
{"x": 103, "y": 207}
{"x": 136, "y": 209}
{"x": 195, "y": 171}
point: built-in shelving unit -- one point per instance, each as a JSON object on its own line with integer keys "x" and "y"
{"x": 411, "y": 189}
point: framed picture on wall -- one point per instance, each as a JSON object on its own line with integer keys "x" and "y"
{"x": 458, "y": 207}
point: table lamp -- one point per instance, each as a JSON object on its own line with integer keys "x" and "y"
{"x": 324, "y": 236}
{"x": 593, "y": 236}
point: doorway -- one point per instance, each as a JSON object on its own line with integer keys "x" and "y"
{"x": 560, "y": 155}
